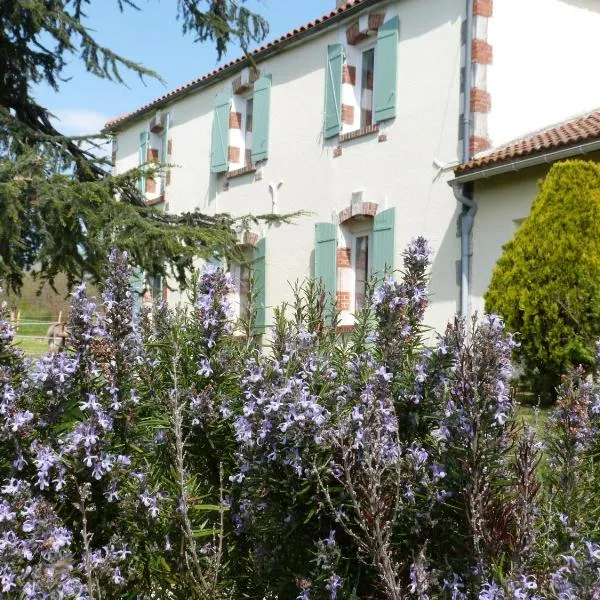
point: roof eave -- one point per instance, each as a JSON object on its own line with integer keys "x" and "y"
{"x": 531, "y": 161}
{"x": 238, "y": 65}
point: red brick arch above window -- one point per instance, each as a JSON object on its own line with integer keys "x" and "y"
{"x": 360, "y": 209}
{"x": 353, "y": 33}
{"x": 250, "y": 238}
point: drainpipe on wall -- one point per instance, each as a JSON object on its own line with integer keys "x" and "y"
{"x": 463, "y": 193}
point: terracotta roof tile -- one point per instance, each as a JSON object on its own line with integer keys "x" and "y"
{"x": 577, "y": 130}
{"x": 256, "y": 54}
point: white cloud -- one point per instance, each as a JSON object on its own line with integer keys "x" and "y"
{"x": 78, "y": 121}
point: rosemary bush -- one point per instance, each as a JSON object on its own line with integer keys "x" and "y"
{"x": 164, "y": 456}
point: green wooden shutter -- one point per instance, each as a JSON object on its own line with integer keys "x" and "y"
{"x": 325, "y": 257}
{"x": 260, "y": 118}
{"x": 143, "y": 157}
{"x": 260, "y": 276}
{"x": 386, "y": 67}
{"x": 165, "y": 150}
{"x": 383, "y": 242}
{"x": 137, "y": 285}
{"x": 333, "y": 91}
{"x": 219, "y": 162}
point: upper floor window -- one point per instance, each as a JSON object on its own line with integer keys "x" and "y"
{"x": 240, "y": 134}
{"x": 155, "y": 147}
{"x": 361, "y": 79}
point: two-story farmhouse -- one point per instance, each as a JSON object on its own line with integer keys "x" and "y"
{"x": 357, "y": 118}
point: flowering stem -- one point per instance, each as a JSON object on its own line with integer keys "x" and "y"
{"x": 219, "y": 553}
{"x": 177, "y": 416}
{"x": 86, "y": 541}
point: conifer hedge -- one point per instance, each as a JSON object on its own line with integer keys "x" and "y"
{"x": 546, "y": 284}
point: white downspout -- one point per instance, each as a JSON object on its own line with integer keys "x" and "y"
{"x": 466, "y": 227}
{"x": 463, "y": 192}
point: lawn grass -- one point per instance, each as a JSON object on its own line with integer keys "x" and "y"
{"x": 32, "y": 339}
{"x": 533, "y": 416}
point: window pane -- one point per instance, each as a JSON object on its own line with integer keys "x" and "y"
{"x": 248, "y": 132}
{"x": 366, "y": 88}
{"x": 249, "y": 112}
{"x": 361, "y": 266}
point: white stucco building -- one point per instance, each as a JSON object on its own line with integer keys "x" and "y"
{"x": 353, "y": 118}
{"x": 359, "y": 119}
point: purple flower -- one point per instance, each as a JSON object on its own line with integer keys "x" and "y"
{"x": 333, "y": 584}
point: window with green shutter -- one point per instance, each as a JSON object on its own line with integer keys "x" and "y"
{"x": 386, "y": 67}
{"x": 260, "y": 272}
{"x": 260, "y": 118}
{"x": 219, "y": 162}
{"x": 325, "y": 257}
{"x": 333, "y": 91}
{"x": 383, "y": 242}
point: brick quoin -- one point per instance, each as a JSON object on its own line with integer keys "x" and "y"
{"x": 349, "y": 74}
{"x": 478, "y": 144}
{"x": 348, "y": 114}
{"x": 235, "y": 120}
{"x": 482, "y": 52}
{"x": 376, "y": 20}
{"x": 344, "y": 258}
{"x": 233, "y": 154}
{"x": 343, "y": 300}
{"x": 483, "y": 8}
{"x": 237, "y": 85}
{"x": 481, "y": 101}
{"x": 354, "y": 34}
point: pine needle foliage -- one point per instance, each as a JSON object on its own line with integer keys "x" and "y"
{"x": 60, "y": 208}
{"x": 546, "y": 284}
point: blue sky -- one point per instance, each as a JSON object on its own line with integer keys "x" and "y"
{"x": 153, "y": 37}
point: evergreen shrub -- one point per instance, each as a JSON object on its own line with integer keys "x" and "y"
{"x": 546, "y": 284}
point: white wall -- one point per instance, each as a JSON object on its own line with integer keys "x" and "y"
{"x": 544, "y": 69}
{"x": 399, "y": 172}
{"x": 502, "y": 201}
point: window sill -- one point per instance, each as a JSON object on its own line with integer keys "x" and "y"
{"x": 154, "y": 201}
{"x": 362, "y": 132}
{"x": 342, "y": 329}
{"x": 241, "y": 172}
